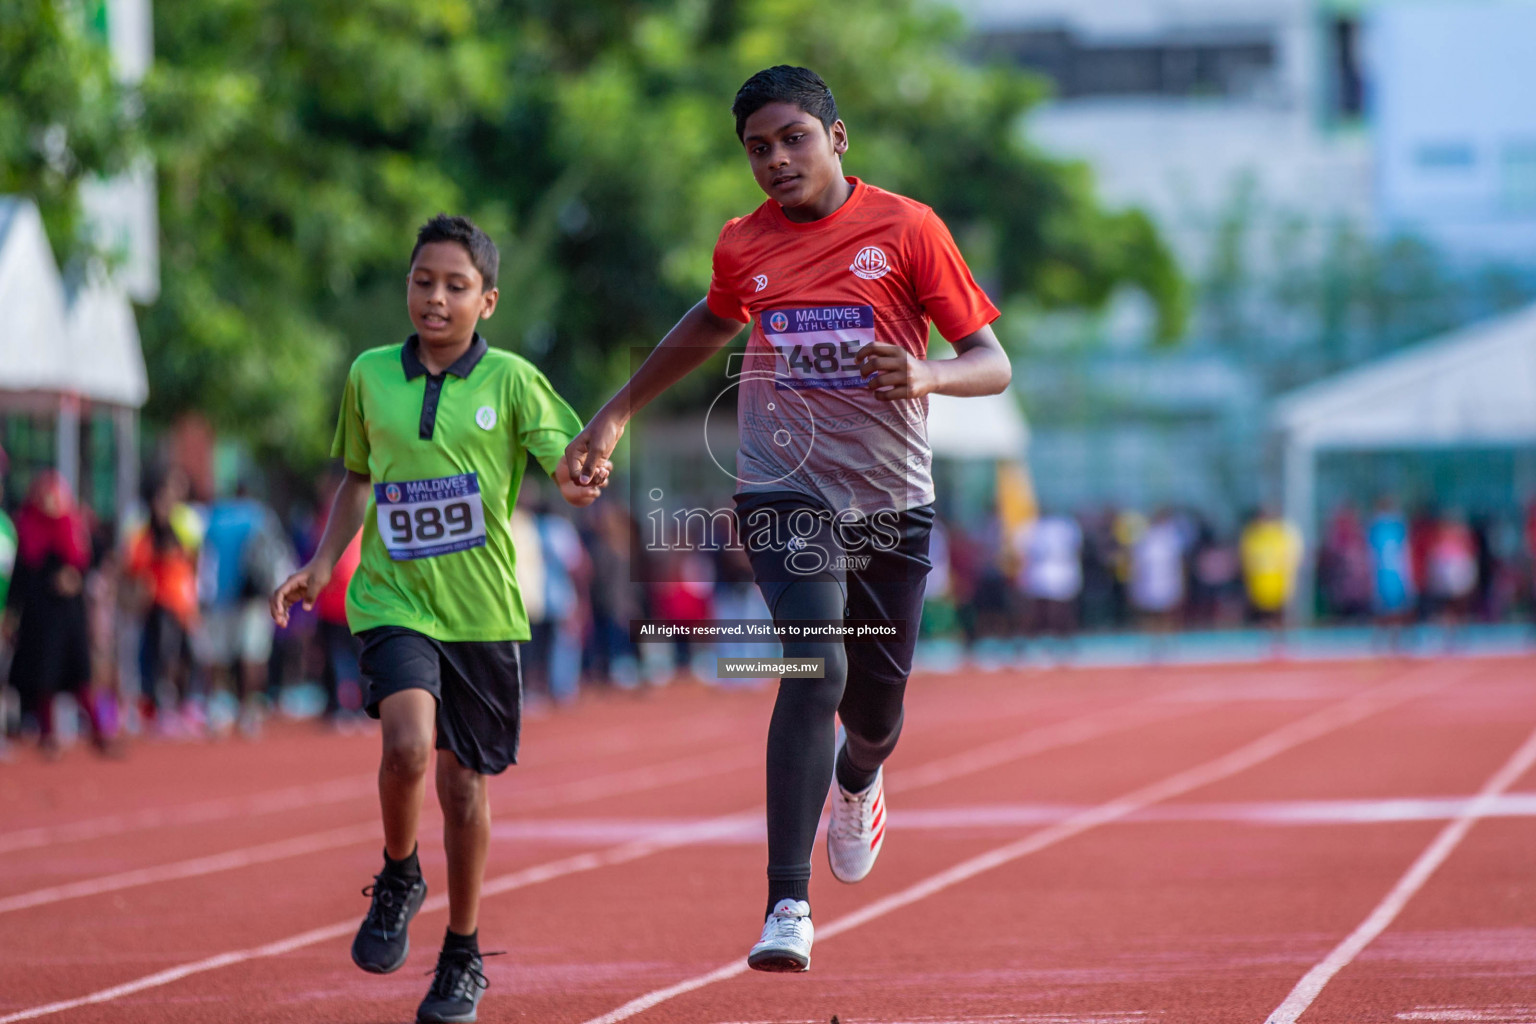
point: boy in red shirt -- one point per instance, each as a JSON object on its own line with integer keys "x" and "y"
{"x": 840, "y": 281}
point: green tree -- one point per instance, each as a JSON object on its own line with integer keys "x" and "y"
{"x": 301, "y": 141}
{"x": 297, "y": 142}
{"x": 63, "y": 119}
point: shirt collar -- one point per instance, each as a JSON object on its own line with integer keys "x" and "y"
{"x": 462, "y": 367}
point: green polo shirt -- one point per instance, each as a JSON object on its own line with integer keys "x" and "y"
{"x": 446, "y": 455}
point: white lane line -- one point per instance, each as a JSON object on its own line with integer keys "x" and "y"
{"x": 622, "y": 854}
{"x": 1103, "y": 1017}
{"x": 1036, "y": 740}
{"x": 1010, "y": 817}
{"x": 221, "y": 809}
{"x": 341, "y": 790}
{"x": 1270, "y": 745}
{"x": 682, "y": 770}
{"x": 1314, "y": 981}
{"x": 1051, "y": 737}
{"x": 621, "y": 781}
{"x": 1485, "y": 1014}
{"x": 193, "y": 868}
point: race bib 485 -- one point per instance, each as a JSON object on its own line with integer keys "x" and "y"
{"x": 817, "y": 346}
{"x": 426, "y": 518}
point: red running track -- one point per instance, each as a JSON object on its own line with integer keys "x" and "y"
{"x": 1322, "y": 843}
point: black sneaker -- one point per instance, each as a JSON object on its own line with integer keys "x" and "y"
{"x": 456, "y": 987}
{"x": 382, "y": 943}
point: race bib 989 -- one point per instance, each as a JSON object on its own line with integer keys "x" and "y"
{"x": 426, "y": 518}
{"x": 817, "y": 346}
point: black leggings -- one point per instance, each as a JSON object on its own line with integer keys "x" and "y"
{"x": 864, "y": 681}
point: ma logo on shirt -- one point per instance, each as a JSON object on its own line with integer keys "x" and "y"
{"x": 870, "y": 263}
{"x": 761, "y": 280}
{"x": 486, "y": 417}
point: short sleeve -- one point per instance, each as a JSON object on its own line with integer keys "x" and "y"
{"x": 351, "y": 442}
{"x": 545, "y": 422}
{"x": 723, "y": 298}
{"x": 944, "y": 285}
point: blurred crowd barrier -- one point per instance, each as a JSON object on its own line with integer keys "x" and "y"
{"x": 161, "y": 629}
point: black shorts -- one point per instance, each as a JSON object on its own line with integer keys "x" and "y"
{"x": 478, "y": 686}
{"x": 882, "y": 568}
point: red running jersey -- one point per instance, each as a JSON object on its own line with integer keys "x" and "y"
{"x": 881, "y": 268}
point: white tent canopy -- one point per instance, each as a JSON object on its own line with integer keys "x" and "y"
{"x": 33, "y": 328}
{"x": 986, "y": 427}
{"x": 84, "y": 343}
{"x": 104, "y": 352}
{"x": 1473, "y": 387}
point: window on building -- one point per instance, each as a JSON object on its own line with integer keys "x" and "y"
{"x": 1233, "y": 67}
{"x": 1517, "y": 176}
{"x": 1446, "y": 155}
{"x": 1346, "y": 76}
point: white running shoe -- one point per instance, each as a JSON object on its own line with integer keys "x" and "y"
{"x": 786, "y": 941}
{"x": 857, "y": 829}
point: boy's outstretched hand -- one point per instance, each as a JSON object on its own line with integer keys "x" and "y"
{"x": 587, "y": 454}
{"x": 304, "y": 585}
{"x": 582, "y": 495}
{"x": 896, "y": 372}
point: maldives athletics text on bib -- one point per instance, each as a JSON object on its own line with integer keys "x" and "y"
{"x": 427, "y": 518}
{"x": 819, "y": 344}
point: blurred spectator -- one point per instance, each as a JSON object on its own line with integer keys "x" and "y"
{"x": 1421, "y": 536}
{"x": 737, "y": 598}
{"x": 1126, "y": 526}
{"x": 1530, "y": 554}
{"x": 616, "y": 597}
{"x": 992, "y": 610}
{"x": 965, "y": 567}
{"x": 297, "y": 655}
{"x": 1215, "y": 579}
{"x": 7, "y": 567}
{"x": 939, "y": 615}
{"x": 245, "y": 555}
{"x": 7, "y": 542}
{"x": 1157, "y": 572}
{"x": 1485, "y": 596}
{"x": 340, "y": 675}
{"x": 531, "y": 587}
{"x": 684, "y": 590}
{"x": 1393, "y": 589}
{"x": 1102, "y": 602}
{"x": 1450, "y": 576}
{"x": 104, "y": 617}
{"x": 162, "y": 560}
{"x": 566, "y": 579}
{"x": 46, "y": 603}
{"x": 1050, "y": 553}
{"x": 1344, "y": 567}
{"x": 1271, "y": 552}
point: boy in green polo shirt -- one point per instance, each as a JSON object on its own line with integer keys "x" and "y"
{"x": 435, "y": 434}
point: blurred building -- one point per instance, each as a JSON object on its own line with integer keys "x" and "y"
{"x": 1179, "y": 108}
{"x": 1263, "y": 137}
{"x": 1453, "y": 133}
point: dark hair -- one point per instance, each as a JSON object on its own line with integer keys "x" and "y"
{"x": 482, "y": 251}
{"x": 784, "y": 84}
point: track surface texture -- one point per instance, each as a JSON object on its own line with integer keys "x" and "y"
{"x": 1325, "y": 843}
